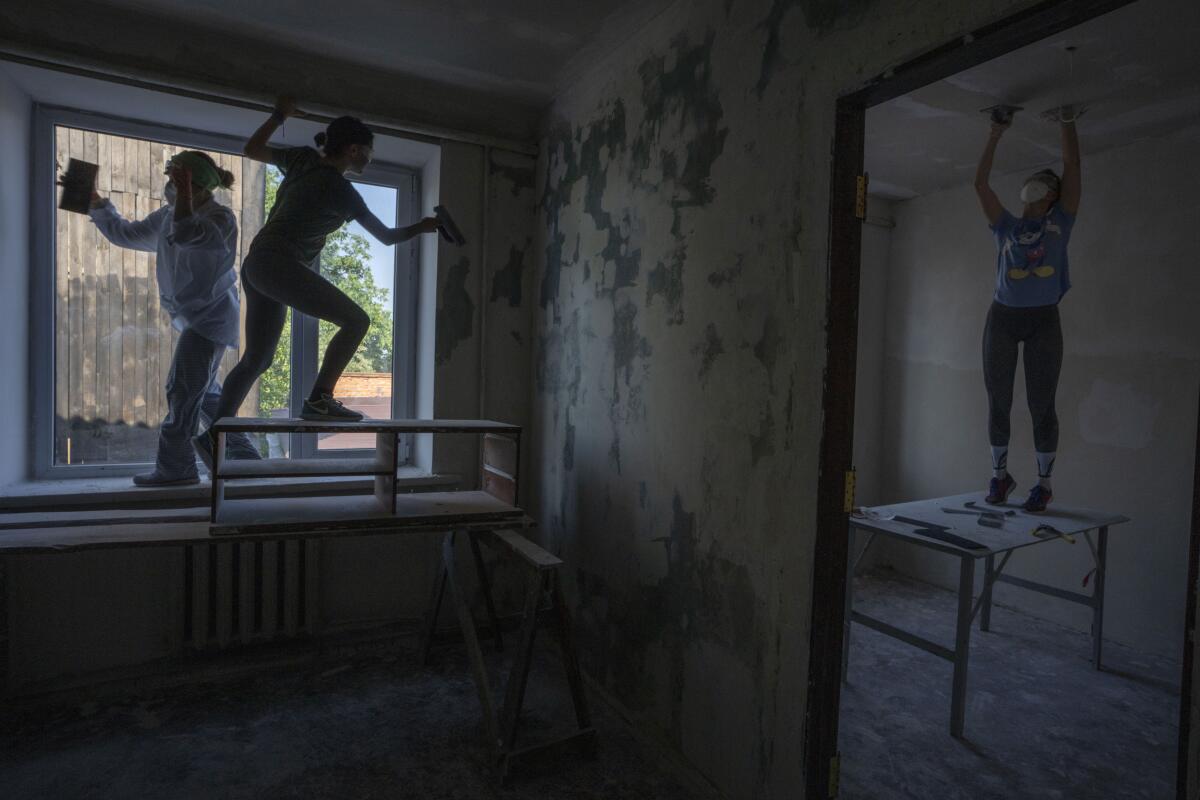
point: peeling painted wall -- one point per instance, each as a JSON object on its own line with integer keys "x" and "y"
{"x": 678, "y": 362}
{"x": 510, "y": 295}
{"x": 1126, "y": 398}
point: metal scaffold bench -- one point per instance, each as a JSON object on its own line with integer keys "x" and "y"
{"x": 966, "y": 527}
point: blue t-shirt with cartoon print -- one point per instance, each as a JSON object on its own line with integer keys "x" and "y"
{"x": 1031, "y": 258}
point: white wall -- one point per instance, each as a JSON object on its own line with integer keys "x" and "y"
{"x": 1127, "y": 396}
{"x": 872, "y": 311}
{"x": 16, "y": 111}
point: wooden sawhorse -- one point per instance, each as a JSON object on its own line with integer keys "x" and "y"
{"x": 543, "y": 579}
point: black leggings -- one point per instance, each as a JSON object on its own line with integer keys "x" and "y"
{"x": 271, "y": 282}
{"x": 1041, "y": 331}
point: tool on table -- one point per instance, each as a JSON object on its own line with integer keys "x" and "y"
{"x": 78, "y": 183}
{"x": 1044, "y": 531}
{"x": 447, "y": 228}
{"x": 872, "y": 514}
{"x": 988, "y": 519}
{"x": 941, "y": 533}
{"x": 975, "y": 506}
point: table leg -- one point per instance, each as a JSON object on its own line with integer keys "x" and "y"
{"x": 518, "y": 677}
{"x": 485, "y": 584}
{"x": 433, "y": 610}
{"x": 985, "y": 614}
{"x": 962, "y": 646}
{"x": 1098, "y": 597}
{"x": 467, "y": 624}
{"x": 849, "y": 604}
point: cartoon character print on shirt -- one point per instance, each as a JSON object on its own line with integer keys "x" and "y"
{"x": 1028, "y": 239}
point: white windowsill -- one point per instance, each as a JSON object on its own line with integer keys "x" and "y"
{"x": 119, "y": 492}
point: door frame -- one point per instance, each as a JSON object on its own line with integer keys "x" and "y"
{"x": 831, "y": 554}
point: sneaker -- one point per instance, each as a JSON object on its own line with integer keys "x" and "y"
{"x": 999, "y": 490}
{"x": 1039, "y": 498}
{"x": 156, "y": 478}
{"x": 204, "y": 447}
{"x": 328, "y": 409}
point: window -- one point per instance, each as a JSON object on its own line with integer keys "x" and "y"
{"x": 105, "y": 345}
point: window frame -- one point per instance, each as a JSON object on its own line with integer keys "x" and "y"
{"x": 43, "y": 262}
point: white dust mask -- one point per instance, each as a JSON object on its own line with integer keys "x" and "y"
{"x": 1034, "y": 191}
{"x": 169, "y": 192}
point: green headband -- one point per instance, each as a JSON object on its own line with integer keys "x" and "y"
{"x": 204, "y": 175}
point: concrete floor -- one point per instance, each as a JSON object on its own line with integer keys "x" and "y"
{"x": 1040, "y": 721}
{"x": 363, "y": 726}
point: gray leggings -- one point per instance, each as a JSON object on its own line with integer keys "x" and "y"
{"x": 272, "y": 281}
{"x": 1041, "y": 331}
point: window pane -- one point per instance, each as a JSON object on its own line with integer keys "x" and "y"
{"x": 364, "y": 269}
{"x": 274, "y": 387}
{"x": 113, "y": 344}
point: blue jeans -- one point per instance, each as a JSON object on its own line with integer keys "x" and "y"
{"x": 193, "y": 392}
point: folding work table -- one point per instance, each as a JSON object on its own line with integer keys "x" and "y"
{"x": 967, "y": 527}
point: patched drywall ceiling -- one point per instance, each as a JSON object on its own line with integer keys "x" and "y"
{"x": 523, "y": 49}
{"x": 1136, "y": 68}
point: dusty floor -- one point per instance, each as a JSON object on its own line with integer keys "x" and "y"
{"x": 371, "y": 726}
{"x": 1040, "y": 721}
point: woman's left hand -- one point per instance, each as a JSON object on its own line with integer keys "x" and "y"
{"x": 428, "y": 225}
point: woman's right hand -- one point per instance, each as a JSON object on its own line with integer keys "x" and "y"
{"x": 998, "y": 128}
{"x": 97, "y": 200}
{"x": 285, "y": 106}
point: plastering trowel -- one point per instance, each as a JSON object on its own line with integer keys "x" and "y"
{"x": 1001, "y": 113}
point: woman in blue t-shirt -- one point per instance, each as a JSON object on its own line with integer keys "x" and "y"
{"x": 1032, "y": 275}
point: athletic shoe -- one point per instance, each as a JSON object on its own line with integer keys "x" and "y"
{"x": 999, "y": 490}
{"x": 1039, "y": 498}
{"x": 204, "y": 446}
{"x": 327, "y": 409}
{"x": 156, "y": 478}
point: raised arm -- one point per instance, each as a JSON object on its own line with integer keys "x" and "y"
{"x": 389, "y": 236}
{"x": 1072, "y": 182}
{"x": 993, "y": 209}
{"x": 140, "y": 235}
{"x": 256, "y": 146}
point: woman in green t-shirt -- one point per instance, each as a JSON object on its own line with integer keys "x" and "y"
{"x": 281, "y": 267}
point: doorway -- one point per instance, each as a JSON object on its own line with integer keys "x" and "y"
{"x": 1046, "y": 23}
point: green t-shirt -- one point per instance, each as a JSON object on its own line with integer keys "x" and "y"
{"x": 313, "y": 201}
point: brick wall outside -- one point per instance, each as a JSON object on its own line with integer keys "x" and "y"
{"x": 364, "y": 385}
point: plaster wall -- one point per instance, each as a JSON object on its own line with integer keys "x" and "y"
{"x": 872, "y": 311}
{"x": 1127, "y": 396}
{"x": 679, "y": 357}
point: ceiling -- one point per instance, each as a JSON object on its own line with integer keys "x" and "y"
{"x": 64, "y": 90}
{"x": 1136, "y": 68}
{"x": 521, "y": 49}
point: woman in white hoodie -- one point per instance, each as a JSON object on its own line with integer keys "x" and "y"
{"x": 194, "y": 239}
